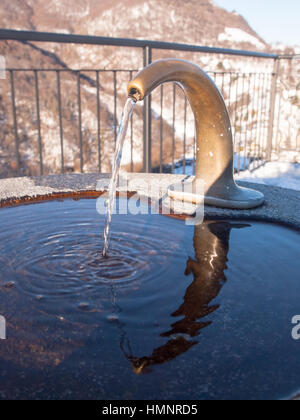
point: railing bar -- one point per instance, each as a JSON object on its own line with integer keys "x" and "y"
{"x": 270, "y": 108}
{"x": 260, "y": 116}
{"x": 278, "y": 121}
{"x": 194, "y": 151}
{"x": 230, "y": 90}
{"x": 70, "y": 70}
{"x": 252, "y": 99}
{"x": 241, "y": 121}
{"x": 247, "y": 124}
{"x": 184, "y": 139}
{"x": 264, "y": 119}
{"x": 98, "y": 121}
{"x": 267, "y": 121}
{"x": 230, "y": 103}
{"x": 257, "y": 120}
{"x": 240, "y": 132}
{"x": 8, "y": 34}
{"x": 80, "y": 122}
{"x": 83, "y": 70}
{"x": 223, "y": 84}
{"x": 265, "y": 116}
{"x": 14, "y": 111}
{"x": 37, "y": 100}
{"x": 115, "y": 106}
{"x": 147, "y": 113}
{"x": 161, "y": 127}
{"x": 60, "y": 121}
{"x": 243, "y": 132}
{"x": 235, "y": 112}
{"x": 173, "y": 135}
{"x": 131, "y": 133}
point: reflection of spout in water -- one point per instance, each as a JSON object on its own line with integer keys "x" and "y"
{"x": 128, "y": 109}
{"x": 211, "y": 243}
{"x": 163, "y": 354}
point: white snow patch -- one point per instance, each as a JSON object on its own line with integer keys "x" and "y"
{"x": 279, "y": 174}
{"x": 238, "y": 35}
{"x": 172, "y": 16}
{"x": 146, "y": 8}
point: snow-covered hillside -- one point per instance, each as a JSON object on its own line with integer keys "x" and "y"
{"x": 247, "y": 97}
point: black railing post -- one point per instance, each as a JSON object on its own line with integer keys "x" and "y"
{"x": 161, "y": 128}
{"x": 80, "y": 121}
{"x": 37, "y": 100}
{"x": 173, "y": 129}
{"x": 13, "y": 101}
{"x": 131, "y": 132}
{"x": 115, "y": 107}
{"x": 184, "y": 135}
{"x": 98, "y": 121}
{"x": 272, "y": 109}
{"x": 147, "y": 118}
{"x": 277, "y": 142}
{"x": 60, "y": 122}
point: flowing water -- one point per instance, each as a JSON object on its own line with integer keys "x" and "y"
{"x": 128, "y": 109}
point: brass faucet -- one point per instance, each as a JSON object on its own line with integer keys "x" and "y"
{"x": 214, "y": 165}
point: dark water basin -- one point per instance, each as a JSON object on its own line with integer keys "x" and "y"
{"x": 176, "y": 312}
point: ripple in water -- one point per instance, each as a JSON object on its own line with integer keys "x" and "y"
{"x": 51, "y": 259}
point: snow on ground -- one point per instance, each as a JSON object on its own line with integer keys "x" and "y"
{"x": 279, "y": 174}
{"x": 238, "y": 35}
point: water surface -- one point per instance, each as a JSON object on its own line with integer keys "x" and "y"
{"x": 175, "y": 312}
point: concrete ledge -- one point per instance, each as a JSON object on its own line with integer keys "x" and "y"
{"x": 281, "y": 206}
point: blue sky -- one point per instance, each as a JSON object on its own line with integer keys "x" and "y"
{"x": 274, "y": 20}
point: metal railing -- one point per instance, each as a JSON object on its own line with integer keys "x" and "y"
{"x": 251, "y": 97}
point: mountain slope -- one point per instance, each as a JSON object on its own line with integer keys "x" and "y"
{"x": 183, "y": 21}
{"x": 188, "y": 21}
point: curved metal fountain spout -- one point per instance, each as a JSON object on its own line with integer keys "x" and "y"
{"x": 213, "y": 131}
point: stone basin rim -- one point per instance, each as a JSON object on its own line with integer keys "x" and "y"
{"x": 281, "y": 205}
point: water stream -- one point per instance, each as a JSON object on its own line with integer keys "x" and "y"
{"x": 127, "y": 112}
